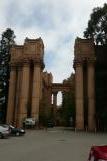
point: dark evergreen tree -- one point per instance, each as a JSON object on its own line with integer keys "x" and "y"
{"x": 97, "y": 25}
{"x": 68, "y": 104}
{"x": 7, "y": 40}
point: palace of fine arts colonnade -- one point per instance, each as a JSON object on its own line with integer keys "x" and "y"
{"x": 31, "y": 89}
{"x": 25, "y": 85}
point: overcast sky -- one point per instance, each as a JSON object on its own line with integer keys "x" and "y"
{"x": 57, "y": 22}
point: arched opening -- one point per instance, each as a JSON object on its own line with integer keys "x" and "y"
{"x": 59, "y": 99}
{"x": 63, "y": 104}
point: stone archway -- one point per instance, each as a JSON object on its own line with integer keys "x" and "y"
{"x": 59, "y": 87}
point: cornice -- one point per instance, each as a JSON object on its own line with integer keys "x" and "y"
{"x": 81, "y": 61}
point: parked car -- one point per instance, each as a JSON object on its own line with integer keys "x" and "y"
{"x": 29, "y": 122}
{"x": 15, "y": 131}
{"x": 50, "y": 123}
{"x": 4, "y": 132}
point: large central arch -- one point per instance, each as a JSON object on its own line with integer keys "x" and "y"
{"x": 57, "y": 87}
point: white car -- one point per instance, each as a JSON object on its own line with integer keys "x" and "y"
{"x": 29, "y": 122}
{"x": 4, "y": 131}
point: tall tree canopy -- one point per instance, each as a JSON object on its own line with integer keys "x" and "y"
{"x": 7, "y": 40}
{"x": 97, "y": 25}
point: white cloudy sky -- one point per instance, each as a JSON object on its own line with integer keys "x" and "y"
{"x": 57, "y": 22}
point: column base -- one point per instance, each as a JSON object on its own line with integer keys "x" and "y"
{"x": 20, "y": 120}
{"x": 79, "y": 126}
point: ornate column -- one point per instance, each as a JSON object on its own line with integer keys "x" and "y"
{"x": 49, "y": 100}
{"x": 41, "y": 85}
{"x": 54, "y": 104}
{"x": 79, "y": 95}
{"x": 17, "y": 98}
{"x": 24, "y": 92}
{"x": 36, "y": 90}
{"x": 11, "y": 95}
{"x": 55, "y": 99}
{"x": 91, "y": 95}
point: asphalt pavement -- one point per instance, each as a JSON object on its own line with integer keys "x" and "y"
{"x": 56, "y": 144}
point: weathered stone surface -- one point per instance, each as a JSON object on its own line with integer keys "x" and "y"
{"x": 25, "y": 92}
{"x": 84, "y": 65}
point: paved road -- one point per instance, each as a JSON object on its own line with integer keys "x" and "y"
{"x": 50, "y": 145}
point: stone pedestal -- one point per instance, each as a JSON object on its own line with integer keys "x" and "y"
{"x": 36, "y": 91}
{"x": 24, "y": 93}
{"x": 91, "y": 96}
{"x": 11, "y": 96}
{"x": 79, "y": 97}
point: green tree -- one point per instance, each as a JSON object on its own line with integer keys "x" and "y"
{"x": 68, "y": 112}
{"x": 97, "y": 25}
{"x": 7, "y": 40}
{"x": 68, "y": 104}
